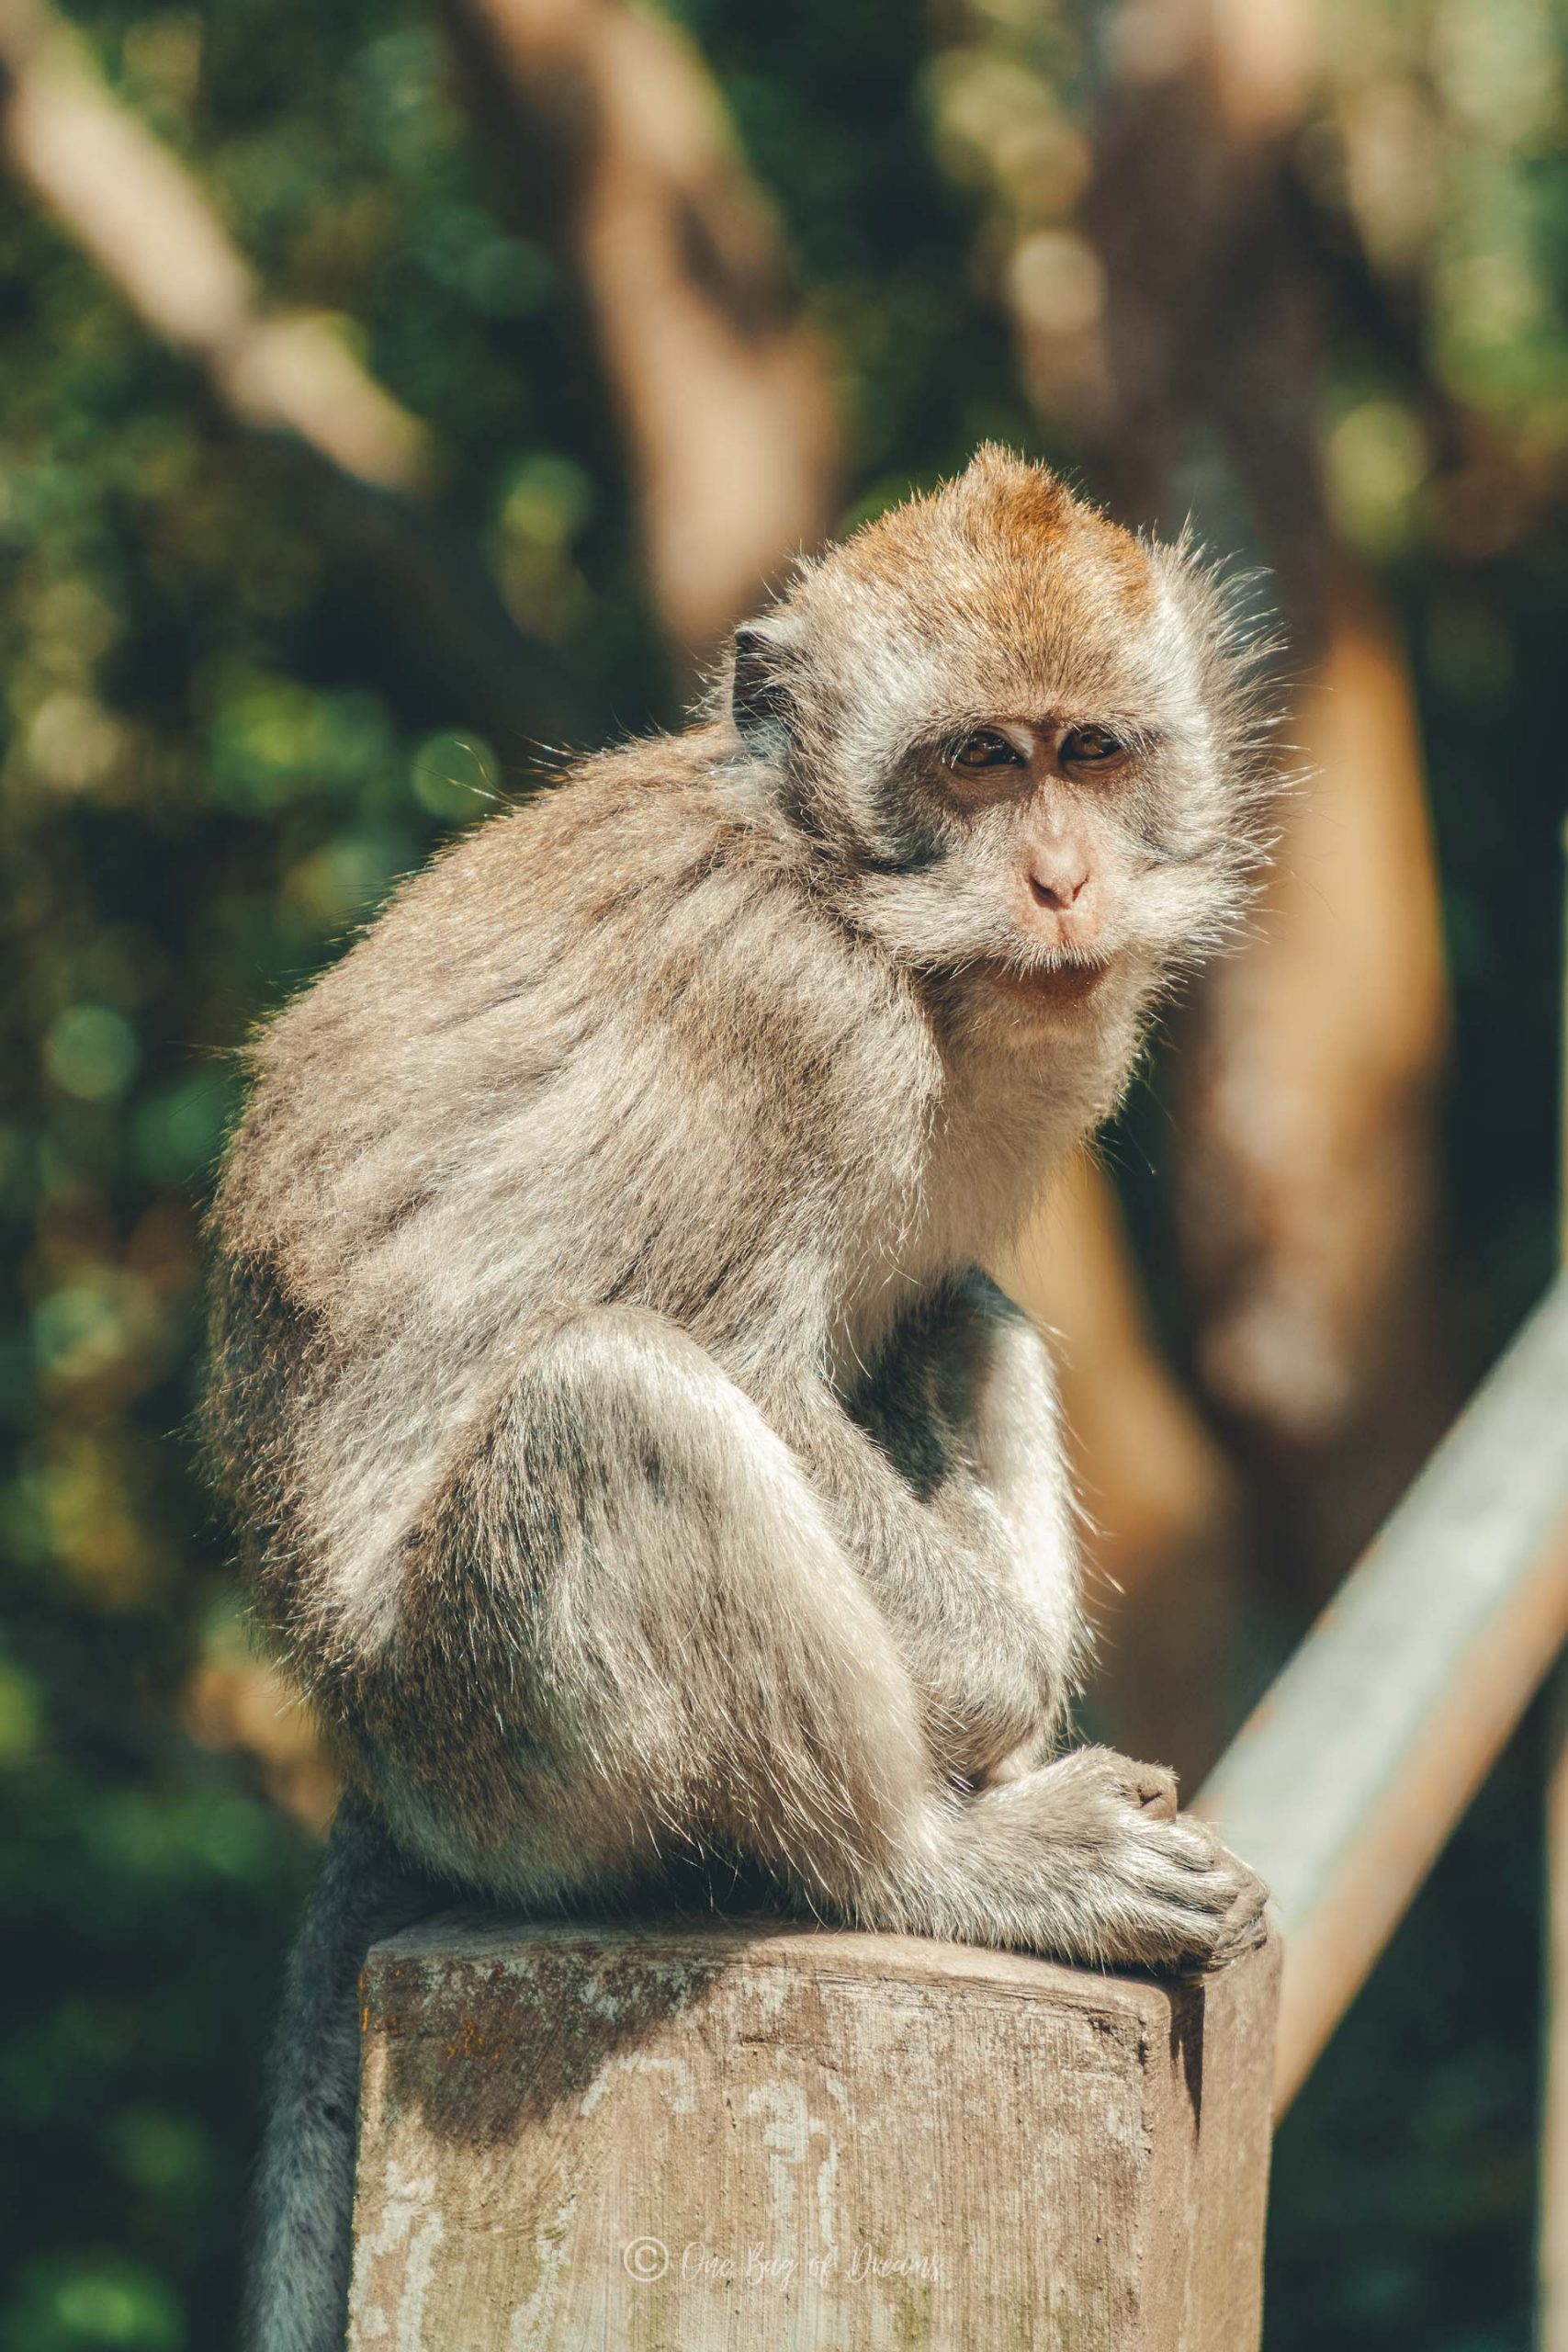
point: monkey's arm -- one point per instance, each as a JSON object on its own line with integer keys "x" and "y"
{"x": 946, "y": 1471}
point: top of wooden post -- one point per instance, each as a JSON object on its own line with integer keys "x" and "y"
{"x": 682, "y": 2135}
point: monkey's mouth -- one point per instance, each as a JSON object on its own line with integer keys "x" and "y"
{"x": 1065, "y": 984}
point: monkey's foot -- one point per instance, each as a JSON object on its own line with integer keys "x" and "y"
{"x": 1089, "y": 1860}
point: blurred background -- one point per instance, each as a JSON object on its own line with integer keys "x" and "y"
{"x": 396, "y": 393}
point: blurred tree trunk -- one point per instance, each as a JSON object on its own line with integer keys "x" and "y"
{"x": 612, "y": 135}
{"x": 1306, "y": 1145}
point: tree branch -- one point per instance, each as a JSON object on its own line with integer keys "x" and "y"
{"x": 139, "y": 214}
{"x": 612, "y": 138}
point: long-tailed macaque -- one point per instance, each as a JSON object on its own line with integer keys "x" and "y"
{"x": 634, "y": 1462}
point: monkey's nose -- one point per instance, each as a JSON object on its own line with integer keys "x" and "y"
{"x": 1060, "y": 881}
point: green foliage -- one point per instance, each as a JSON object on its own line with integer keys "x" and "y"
{"x": 214, "y": 764}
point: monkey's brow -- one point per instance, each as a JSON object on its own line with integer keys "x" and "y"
{"x": 1132, "y": 734}
{"x": 1137, "y": 734}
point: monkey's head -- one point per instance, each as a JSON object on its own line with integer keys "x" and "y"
{"x": 1024, "y": 747}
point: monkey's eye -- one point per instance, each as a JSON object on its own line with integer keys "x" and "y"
{"x": 1090, "y": 744}
{"x": 984, "y": 749}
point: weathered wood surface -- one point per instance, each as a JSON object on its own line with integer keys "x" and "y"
{"x": 679, "y": 2138}
{"x": 1343, "y": 1787}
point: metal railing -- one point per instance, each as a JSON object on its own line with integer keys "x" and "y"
{"x": 1345, "y": 1783}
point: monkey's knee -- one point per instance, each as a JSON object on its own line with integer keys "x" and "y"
{"x": 654, "y": 1404}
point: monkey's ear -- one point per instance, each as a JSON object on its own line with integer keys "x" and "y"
{"x": 763, "y": 705}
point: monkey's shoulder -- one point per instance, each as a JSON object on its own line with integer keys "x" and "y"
{"x": 634, "y": 968}
{"x": 647, "y": 890}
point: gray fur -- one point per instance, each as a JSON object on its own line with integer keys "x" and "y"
{"x": 297, "y": 2283}
{"x": 633, "y": 1463}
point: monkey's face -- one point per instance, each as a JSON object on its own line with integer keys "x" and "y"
{"x": 1022, "y": 743}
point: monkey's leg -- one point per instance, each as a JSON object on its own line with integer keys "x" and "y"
{"x": 711, "y": 1669}
{"x": 300, "y": 2248}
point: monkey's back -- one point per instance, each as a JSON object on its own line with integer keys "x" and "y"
{"x": 608, "y": 1050}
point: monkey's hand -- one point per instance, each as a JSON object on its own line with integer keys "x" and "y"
{"x": 1091, "y": 1862}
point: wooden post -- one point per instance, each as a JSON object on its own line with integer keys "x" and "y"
{"x": 680, "y": 2137}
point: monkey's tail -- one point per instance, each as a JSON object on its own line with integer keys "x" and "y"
{"x": 300, "y": 2241}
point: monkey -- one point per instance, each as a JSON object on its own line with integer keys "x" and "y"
{"x": 635, "y": 1464}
